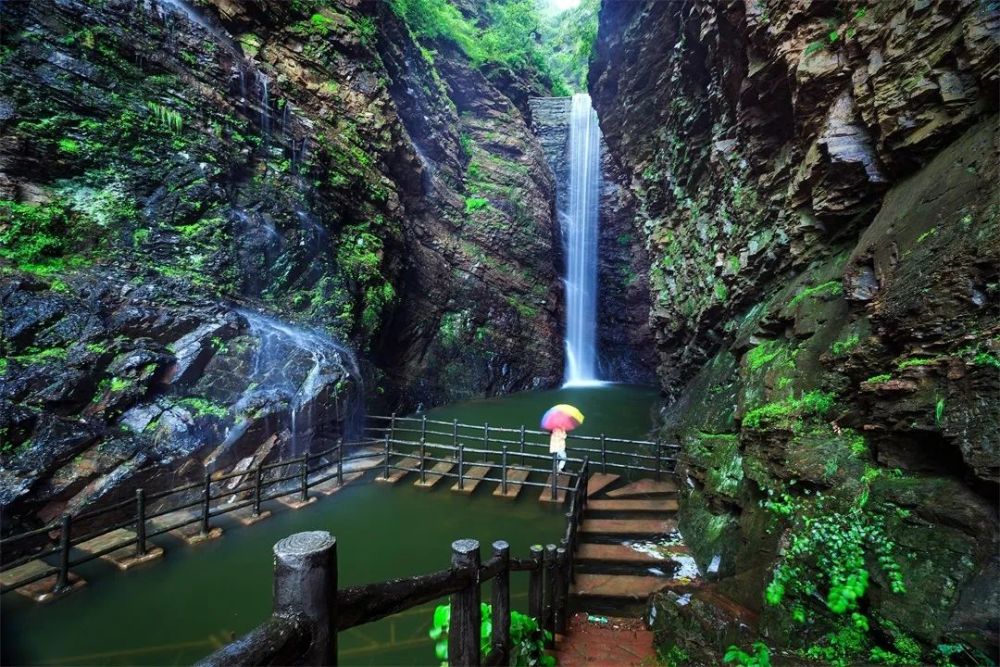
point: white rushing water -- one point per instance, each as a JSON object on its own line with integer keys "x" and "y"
{"x": 581, "y": 243}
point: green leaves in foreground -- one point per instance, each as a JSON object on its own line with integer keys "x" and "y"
{"x": 527, "y": 639}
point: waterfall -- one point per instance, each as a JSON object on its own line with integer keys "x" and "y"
{"x": 302, "y": 365}
{"x": 580, "y": 227}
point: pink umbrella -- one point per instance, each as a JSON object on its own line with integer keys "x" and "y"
{"x": 562, "y": 417}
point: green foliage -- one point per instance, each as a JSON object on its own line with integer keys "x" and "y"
{"x": 438, "y": 19}
{"x": 473, "y": 204}
{"x": 34, "y": 355}
{"x": 203, "y": 407}
{"x": 70, "y": 146}
{"x": 842, "y": 347}
{"x": 811, "y": 403}
{"x": 36, "y": 237}
{"x": 674, "y": 656}
{"x": 763, "y": 354}
{"x": 938, "y": 411}
{"x": 721, "y": 291}
{"x": 813, "y": 47}
{"x": 832, "y": 288}
{"x": 165, "y": 116}
{"x": 986, "y": 359}
{"x": 526, "y": 637}
{"x": 761, "y": 656}
{"x": 911, "y": 363}
{"x": 120, "y": 384}
{"x": 879, "y": 379}
{"x": 569, "y": 39}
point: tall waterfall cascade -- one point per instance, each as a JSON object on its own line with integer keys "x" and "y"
{"x": 580, "y": 226}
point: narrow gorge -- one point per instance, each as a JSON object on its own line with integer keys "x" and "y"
{"x": 763, "y": 234}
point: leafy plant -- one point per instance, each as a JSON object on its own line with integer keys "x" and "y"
{"x": 473, "y": 204}
{"x": 761, "y": 656}
{"x": 526, "y": 637}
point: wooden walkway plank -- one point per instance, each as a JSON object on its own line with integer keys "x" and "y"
{"x": 546, "y": 496}
{"x": 472, "y": 477}
{"x": 649, "y": 527}
{"x": 609, "y": 640}
{"x": 331, "y": 486}
{"x": 410, "y": 462}
{"x": 600, "y": 481}
{"x": 435, "y": 474}
{"x": 651, "y": 505}
{"x": 643, "y": 487}
{"x": 125, "y": 557}
{"x": 515, "y": 482}
{"x": 190, "y": 533}
{"x": 41, "y": 590}
{"x": 630, "y": 586}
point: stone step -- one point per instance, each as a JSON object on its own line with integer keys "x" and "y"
{"x": 621, "y": 586}
{"x": 515, "y": 482}
{"x": 600, "y": 481}
{"x": 621, "y": 553}
{"x": 638, "y": 527}
{"x": 651, "y": 505}
{"x": 471, "y": 479}
{"x": 125, "y": 557}
{"x": 435, "y": 474}
{"x": 546, "y": 496}
{"x": 644, "y": 487}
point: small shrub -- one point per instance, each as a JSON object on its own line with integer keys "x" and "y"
{"x": 473, "y": 204}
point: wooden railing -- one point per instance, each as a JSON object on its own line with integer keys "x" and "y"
{"x": 309, "y": 609}
{"x": 622, "y": 455}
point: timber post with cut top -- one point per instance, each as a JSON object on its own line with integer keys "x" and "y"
{"x": 463, "y": 632}
{"x": 659, "y": 453}
{"x": 535, "y": 583}
{"x": 140, "y": 522}
{"x": 604, "y": 454}
{"x": 392, "y": 426}
{"x": 461, "y": 467}
{"x": 560, "y": 591}
{"x": 500, "y": 635}
{"x": 423, "y": 459}
{"x": 305, "y": 588}
{"x": 423, "y": 427}
{"x": 547, "y": 621}
{"x": 555, "y": 478}
{"x": 454, "y": 433}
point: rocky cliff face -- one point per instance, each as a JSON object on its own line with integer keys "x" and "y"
{"x": 168, "y": 171}
{"x": 625, "y": 343}
{"x": 815, "y": 186}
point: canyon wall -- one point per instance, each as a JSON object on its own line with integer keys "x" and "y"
{"x": 816, "y": 184}
{"x": 171, "y": 171}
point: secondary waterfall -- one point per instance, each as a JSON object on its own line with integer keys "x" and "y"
{"x": 580, "y": 228}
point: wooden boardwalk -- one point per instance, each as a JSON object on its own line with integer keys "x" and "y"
{"x": 515, "y": 482}
{"x": 471, "y": 479}
{"x": 435, "y": 474}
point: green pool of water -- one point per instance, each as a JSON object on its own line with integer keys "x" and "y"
{"x": 178, "y": 609}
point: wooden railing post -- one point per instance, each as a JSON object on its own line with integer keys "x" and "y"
{"x": 340, "y": 462}
{"x": 555, "y": 478}
{"x": 392, "y": 426}
{"x": 658, "y": 454}
{"x": 535, "y": 584}
{"x": 461, "y": 467}
{"x": 386, "y": 474}
{"x": 503, "y": 471}
{"x": 463, "y": 632}
{"x": 521, "y": 444}
{"x": 560, "y": 590}
{"x": 304, "y": 479}
{"x": 140, "y": 522}
{"x": 62, "y": 581}
{"x": 570, "y": 546}
{"x": 423, "y": 465}
{"x": 258, "y": 483}
{"x": 206, "y": 504}
{"x": 500, "y": 636}
{"x": 454, "y": 433}
{"x": 423, "y": 427}
{"x": 548, "y": 598}
{"x": 486, "y": 441}
{"x": 604, "y": 454}
{"x": 305, "y": 587}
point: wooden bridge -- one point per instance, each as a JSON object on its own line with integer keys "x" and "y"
{"x": 596, "y": 564}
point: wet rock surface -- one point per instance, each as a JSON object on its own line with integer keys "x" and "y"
{"x": 163, "y": 161}
{"x": 815, "y": 184}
